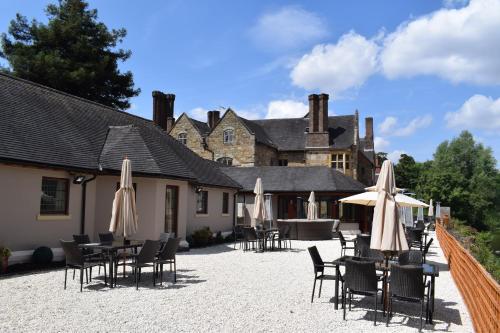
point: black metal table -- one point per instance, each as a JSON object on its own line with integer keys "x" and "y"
{"x": 431, "y": 271}
{"x": 111, "y": 249}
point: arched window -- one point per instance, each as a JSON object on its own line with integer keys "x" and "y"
{"x": 228, "y": 136}
{"x": 182, "y": 138}
{"x": 225, "y": 160}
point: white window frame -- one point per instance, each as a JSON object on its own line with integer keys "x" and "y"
{"x": 226, "y": 138}
{"x": 182, "y": 139}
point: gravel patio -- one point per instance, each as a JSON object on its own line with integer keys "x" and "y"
{"x": 217, "y": 289}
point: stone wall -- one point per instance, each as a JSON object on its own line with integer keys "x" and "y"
{"x": 242, "y": 150}
{"x": 194, "y": 139}
{"x": 294, "y": 158}
{"x": 365, "y": 170}
{"x": 265, "y": 155}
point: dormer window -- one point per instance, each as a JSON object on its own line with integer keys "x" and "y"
{"x": 225, "y": 160}
{"x": 228, "y": 136}
{"x": 182, "y": 138}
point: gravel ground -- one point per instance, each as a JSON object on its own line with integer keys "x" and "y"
{"x": 218, "y": 289}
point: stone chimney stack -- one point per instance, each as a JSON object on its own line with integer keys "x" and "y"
{"x": 213, "y": 118}
{"x": 163, "y": 110}
{"x": 369, "y": 133}
{"x": 318, "y": 135}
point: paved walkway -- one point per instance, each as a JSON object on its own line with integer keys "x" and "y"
{"x": 218, "y": 289}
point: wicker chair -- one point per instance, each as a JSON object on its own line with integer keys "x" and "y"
{"x": 319, "y": 271}
{"x": 375, "y": 255}
{"x": 362, "y": 244}
{"x": 343, "y": 244}
{"x": 145, "y": 258}
{"x": 283, "y": 236}
{"x": 97, "y": 257}
{"x": 426, "y": 248}
{"x": 415, "y": 238}
{"x": 411, "y": 257}
{"x": 420, "y": 225}
{"x": 407, "y": 284}
{"x": 106, "y": 237}
{"x": 250, "y": 237}
{"x": 360, "y": 278}
{"x": 167, "y": 256}
{"x": 76, "y": 260}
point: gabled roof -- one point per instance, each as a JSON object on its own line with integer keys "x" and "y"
{"x": 43, "y": 126}
{"x": 202, "y": 128}
{"x": 294, "y": 179}
{"x": 260, "y": 134}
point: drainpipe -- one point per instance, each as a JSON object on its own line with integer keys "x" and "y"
{"x": 235, "y": 195}
{"x": 84, "y": 196}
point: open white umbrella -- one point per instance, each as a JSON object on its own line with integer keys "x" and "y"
{"x": 259, "y": 209}
{"x": 431, "y": 209}
{"x": 387, "y": 232}
{"x": 124, "y": 214}
{"x": 312, "y": 208}
{"x": 370, "y": 199}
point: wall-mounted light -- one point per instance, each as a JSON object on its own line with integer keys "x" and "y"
{"x": 198, "y": 189}
{"x": 78, "y": 179}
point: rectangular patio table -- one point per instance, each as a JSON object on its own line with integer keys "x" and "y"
{"x": 431, "y": 271}
{"x": 111, "y": 248}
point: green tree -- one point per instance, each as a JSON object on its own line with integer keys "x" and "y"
{"x": 73, "y": 52}
{"x": 407, "y": 172}
{"x": 463, "y": 176}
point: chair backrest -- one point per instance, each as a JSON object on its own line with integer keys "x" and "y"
{"x": 170, "y": 249}
{"x": 366, "y": 252}
{"x": 72, "y": 252}
{"x": 81, "y": 239}
{"x": 411, "y": 257}
{"x": 407, "y": 281}
{"x": 428, "y": 245}
{"x": 360, "y": 275}
{"x": 341, "y": 238}
{"x": 284, "y": 231}
{"x": 415, "y": 235}
{"x": 362, "y": 243}
{"x": 420, "y": 225}
{"x": 316, "y": 259}
{"x": 106, "y": 237}
{"x": 148, "y": 251}
{"x": 165, "y": 236}
{"x": 249, "y": 233}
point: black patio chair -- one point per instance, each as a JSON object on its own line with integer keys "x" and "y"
{"x": 145, "y": 258}
{"x": 106, "y": 237}
{"x": 375, "y": 255}
{"x": 407, "y": 284}
{"x": 283, "y": 236}
{"x": 360, "y": 278}
{"x": 362, "y": 244}
{"x": 90, "y": 253}
{"x": 76, "y": 260}
{"x": 238, "y": 235}
{"x": 420, "y": 225}
{"x": 250, "y": 237}
{"x": 415, "y": 238}
{"x": 426, "y": 248}
{"x": 167, "y": 256}
{"x": 319, "y": 271}
{"x": 343, "y": 244}
{"x": 411, "y": 257}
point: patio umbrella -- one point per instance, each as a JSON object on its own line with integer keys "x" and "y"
{"x": 268, "y": 203}
{"x": 387, "y": 232}
{"x": 431, "y": 209}
{"x": 438, "y": 210}
{"x": 124, "y": 213}
{"x": 312, "y": 208}
{"x": 259, "y": 209}
{"x": 420, "y": 214}
{"x": 370, "y": 199}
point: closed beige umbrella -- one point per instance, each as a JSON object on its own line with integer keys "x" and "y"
{"x": 431, "y": 209}
{"x": 387, "y": 232}
{"x": 259, "y": 208}
{"x": 124, "y": 213}
{"x": 312, "y": 208}
{"x": 370, "y": 199}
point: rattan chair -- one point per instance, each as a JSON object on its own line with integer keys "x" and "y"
{"x": 362, "y": 244}
{"x": 106, "y": 237}
{"x": 239, "y": 236}
{"x": 145, "y": 258}
{"x": 407, "y": 284}
{"x": 319, "y": 271}
{"x": 360, "y": 278}
{"x": 411, "y": 257}
{"x": 167, "y": 256}
{"x": 283, "y": 236}
{"x": 76, "y": 260}
{"x": 91, "y": 254}
{"x": 343, "y": 244}
{"x": 426, "y": 248}
{"x": 250, "y": 236}
{"x": 420, "y": 225}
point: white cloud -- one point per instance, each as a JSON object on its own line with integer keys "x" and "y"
{"x": 337, "y": 67}
{"x": 287, "y": 28}
{"x": 459, "y": 45}
{"x": 478, "y": 111}
{"x": 389, "y": 126}
{"x": 395, "y": 155}
{"x": 381, "y": 144}
{"x": 286, "y": 109}
{"x": 455, "y": 3}
{"x": 198, "y": 113}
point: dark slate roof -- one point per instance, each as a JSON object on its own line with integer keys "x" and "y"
{"x": 290, "y": 133}
{"x": 294, "y": 179}
{"x": 202, "y": 127}
{"x": 43, "y": 126}
{"x": 261, "y": 136}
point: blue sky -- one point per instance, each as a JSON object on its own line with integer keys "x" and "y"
{"x": 425, "y": 70}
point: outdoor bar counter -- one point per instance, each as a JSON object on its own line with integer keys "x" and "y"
{"x": 304, "y": 229}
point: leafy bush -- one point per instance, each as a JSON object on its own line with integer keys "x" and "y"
{"x": 202, "y": 237}
{"x": 5, "y": 252}
{"x": 43, "y": 255}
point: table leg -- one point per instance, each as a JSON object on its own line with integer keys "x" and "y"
{"x": 337, "y": 276}
{"x": 111, "y": 268}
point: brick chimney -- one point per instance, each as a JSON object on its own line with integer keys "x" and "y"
{"x": 163, "y": 110}
{"x": 318, "y": 121}
{"x": 368, "y": 133}
{"x": 213, "y": 118}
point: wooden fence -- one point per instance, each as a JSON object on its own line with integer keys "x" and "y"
{"x": 479, "y": 290}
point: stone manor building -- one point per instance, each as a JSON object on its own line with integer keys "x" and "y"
{"x": 316, "y": 139}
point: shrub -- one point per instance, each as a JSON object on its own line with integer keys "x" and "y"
{"x": 43, "y": 255}
{"x": 202, "y": 237}
{"x": 5, "y": 252}
{"x": 219, "y": 239}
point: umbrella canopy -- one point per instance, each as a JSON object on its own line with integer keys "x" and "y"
{"x": 259, "y": 209}
{"x": 387, "y": 232}
{"x": 438, "y": 210}
{"x": 312, "y": 208}
{"x": 268, "y": 203}
{"x": 124, "y": 213}
{"x": 431, "y": 209}
{"x": 370, "y": 199}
